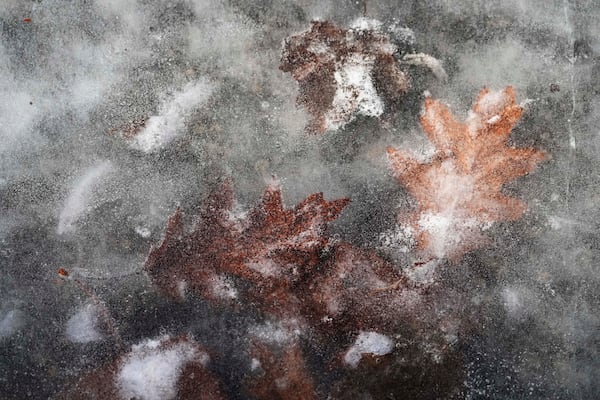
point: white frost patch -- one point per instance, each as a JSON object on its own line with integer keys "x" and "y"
{"x": 368, "y": 343}
{"x": 400, "y": 239}
{"x": 82, "y": 327}
{"x": 10, "y": 322}
{"x": 366, "y": 24}
{"x": 152, "y": 369}
{"x": 276, "y": 333}
{"x": 255, "y": 364}
{"x": 520, "y": 302}
{"x": 492, "y": 102}
{"x": 423, "y": 274}
{"x": 555, "y": 222}
{"x": 512, "y": 301}
{"x": 493, "y": 120}
{"x": 223, "y": 288}
{"x": 76, "y": 204}
{"x": 143, "y": 231}
{"x": 163, "y": 128}
{"x": 355, "y": 92}
{"x": 489, "y": 111}
{"x": 265, "y": 266}
{"x": 452, "y": 224}
{"x": 448, "y": 232}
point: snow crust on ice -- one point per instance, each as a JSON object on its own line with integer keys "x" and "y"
{"x": 368, "y": 343}
{"x": 223, "y": 288}
{"x": 162, "y": 129}
{"x": 82, "y": 327}
{"x": 277, "y": 333}
{"x": 77, "y": 202}
{"x": 10, "y": 322}
{"x": 152, "y": 369}
{"x": 355, "y": 92}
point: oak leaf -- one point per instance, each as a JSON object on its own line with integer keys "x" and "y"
{"x": 285, "y": 374}
{"x": 271, "y": 248}
{"x": 357, "y": 289}
{"x": 343, "y": 73}
{"x": 459, "y": 191}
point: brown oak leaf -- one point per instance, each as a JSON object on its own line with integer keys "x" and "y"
{"x": 343, "y": 73}
{"x": 271, "y": 248}
{"x": 282, "y": 373}
{"x": 459, "y": 191}
{"x": 359, "y": 290}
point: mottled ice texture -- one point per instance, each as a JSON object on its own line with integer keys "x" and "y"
{"x": 114, "y": 113}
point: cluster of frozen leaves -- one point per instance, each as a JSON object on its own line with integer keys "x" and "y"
{"x": 281, "y": 265}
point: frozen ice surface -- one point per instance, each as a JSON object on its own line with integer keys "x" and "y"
{"x": 115, "y": 113}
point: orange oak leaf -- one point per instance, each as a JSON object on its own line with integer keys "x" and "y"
{"x": 459, "y": 191}
{"x": 271, "y": 248}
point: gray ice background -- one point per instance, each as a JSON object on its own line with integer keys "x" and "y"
{"x": 75, "y": 195}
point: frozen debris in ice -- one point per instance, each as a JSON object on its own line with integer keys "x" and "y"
{"x": 154, "y": 133}
{"x": 459, "y": 192}
{"x": 82, "y": 327}
{"x": 368, "y": 343}
{"x": 344, "y": 73}
{"x": 77, "y": 203}
{"x": 281, "y": 261}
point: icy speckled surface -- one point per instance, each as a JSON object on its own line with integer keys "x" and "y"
{"x": 114, "y": 113}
